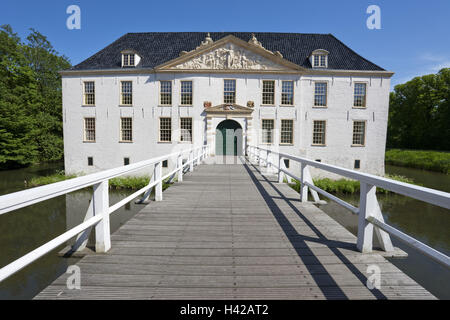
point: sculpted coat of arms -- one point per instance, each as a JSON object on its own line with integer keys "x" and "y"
{"x": 230, "y": 56}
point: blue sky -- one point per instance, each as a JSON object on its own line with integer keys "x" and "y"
{"x": 413, "y": 39}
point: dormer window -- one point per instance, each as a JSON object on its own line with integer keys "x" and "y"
{"x": 130, "y": 59}
{"x": 319, "y": 58}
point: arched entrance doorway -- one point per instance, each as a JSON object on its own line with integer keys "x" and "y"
{"x": 229, "y": 138}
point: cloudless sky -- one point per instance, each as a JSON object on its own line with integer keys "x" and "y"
{"x": 414, "y": 38}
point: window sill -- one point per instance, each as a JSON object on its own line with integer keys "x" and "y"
{"x": 88, "y": 105}
{"x": 165, "y": 142}
{"x": 318, "y": 145}
{"x": 359, "y": 107}
{"x": 185, "y": 105}
{"x": 268, "y": 105}
{"x": 184, "y": 142}
{"x": 287, "y": 105}
{"x": 320, "y": 107}
{"x": 357, "y": 146}
{"x": 88, "y": 141}
{"x": 125, "y": 141}
{"x": 164, "y": 105}
{"x": 125, "y": 105}
{"x": 286, "y": 144}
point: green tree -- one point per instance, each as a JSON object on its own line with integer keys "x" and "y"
{"x": 45, "y": 62}
{"x": 419, "y": 113}
{"x": 18, "y": 94}
{"x": 30, "y": 99}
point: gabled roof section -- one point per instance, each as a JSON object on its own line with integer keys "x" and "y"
{"x": 230, "y": 53}
{"x": 158, "y": 48}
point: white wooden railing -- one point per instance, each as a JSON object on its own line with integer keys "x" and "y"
{"x": 99, "y": 210}
{"x": 370, "y": 217}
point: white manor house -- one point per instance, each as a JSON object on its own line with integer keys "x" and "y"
{"x": 149, "y": 94}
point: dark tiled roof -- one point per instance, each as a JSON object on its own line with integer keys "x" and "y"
{"x": 156, "y": 48}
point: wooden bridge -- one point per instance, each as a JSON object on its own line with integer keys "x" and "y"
{"x": 228, "y": 231}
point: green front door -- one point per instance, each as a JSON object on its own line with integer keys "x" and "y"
{"x": 228, "y": 133}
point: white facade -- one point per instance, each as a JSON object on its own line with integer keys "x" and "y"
{"x": 208, "y": 86}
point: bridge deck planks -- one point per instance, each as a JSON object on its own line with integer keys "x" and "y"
{"x": 229, "y": 232}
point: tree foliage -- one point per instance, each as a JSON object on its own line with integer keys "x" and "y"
{"x": 419, "y": 113}
{"x": 30, "y": 99}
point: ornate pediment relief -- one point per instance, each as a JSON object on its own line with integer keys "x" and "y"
{"x": 229, "y": 108}
{"x": 229, "y": 57}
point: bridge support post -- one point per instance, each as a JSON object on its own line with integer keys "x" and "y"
{"x": 158, "y": 187}
{"x": 367, "y": 202}
{"x": 303, "y": 186}
{"x": 101, "y": 207}
{"x": 369, "y": 207}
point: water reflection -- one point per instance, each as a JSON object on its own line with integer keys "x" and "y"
{"x": 427, "y": 223}
{"x": 24, "y": 230}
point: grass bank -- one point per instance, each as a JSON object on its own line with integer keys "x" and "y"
{"x": 345, "y": 186}
{"x": 120, "y": 183}
{"x": 428, "y": 160}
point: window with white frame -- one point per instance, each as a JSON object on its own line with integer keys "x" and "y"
{"x": 287, "y": 131}
{"x": 229, "y": 91}
{"x": 126, "y": 93}
{"x": 359, "y": 99}
{"x": 359, "y": 133}
{"x": 89, "y": 93}
{"x": 165, "y": 129}
{"x": 287, "y": 92}
{"x": 186, "y": 129}
{"x": 320, "y": 94}
{"x": 320, "y": 60}
{"x": 165, "y": 93}
{"x": 126, "y": 129}
{"x": 268, "y": 93}
{"x": 319, "y": 127}
{"x": 267, "y": 130}
{"x": 186, "y": 93}
{"x": 89, "y": 129}
{"x": 128, "y": 60}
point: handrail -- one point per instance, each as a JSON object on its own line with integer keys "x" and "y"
{"x": 99, "y": 209}
{"x": 370, "y": 216}
{"x": 20, "y": 199}
{"x": 436, "y": 197}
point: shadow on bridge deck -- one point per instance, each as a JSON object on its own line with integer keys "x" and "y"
{"x": 231, "y": 232}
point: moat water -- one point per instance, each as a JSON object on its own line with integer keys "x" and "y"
{"x": 23, "y": 230}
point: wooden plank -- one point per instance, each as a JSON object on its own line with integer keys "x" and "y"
{"x": 221, "y": 235}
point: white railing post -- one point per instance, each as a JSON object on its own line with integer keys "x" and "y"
{"x": 259, "y": 157}
{"x": 280, "y": 166}
{"x": 367, "y": 203}
{"x": 158, "y": 175}
{"x": 101, "y": 207}
{"x": 268, "y": 163}
{"x": 303, "y": 187}
{"x": 180, "y": 167}
{"x": 191, "y": 161}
